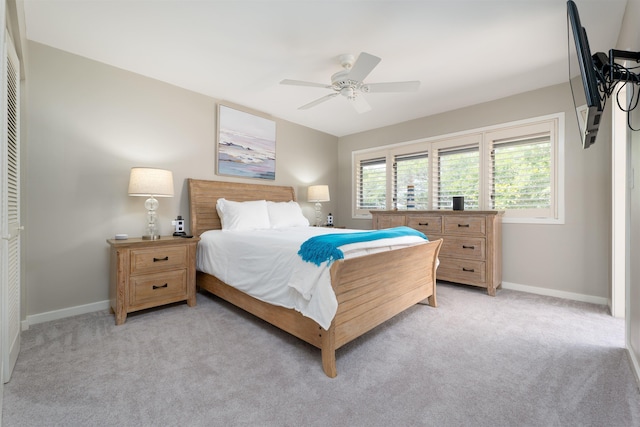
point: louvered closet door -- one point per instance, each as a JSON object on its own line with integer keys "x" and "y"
{"x": 10, "y": 276}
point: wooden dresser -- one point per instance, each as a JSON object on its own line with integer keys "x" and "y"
{"x": 150, "y": 273}
{"x": 471, "y": 251}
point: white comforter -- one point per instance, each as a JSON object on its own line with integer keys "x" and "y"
{"x": 265, "y": 264}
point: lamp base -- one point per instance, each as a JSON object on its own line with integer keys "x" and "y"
{"x": 318, "y": 214}
{"x": 152, "y": 230}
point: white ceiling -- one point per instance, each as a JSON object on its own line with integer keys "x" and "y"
{"x": 463, "y": 51}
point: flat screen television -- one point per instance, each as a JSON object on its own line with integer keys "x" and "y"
{"x": 583, "y": 76}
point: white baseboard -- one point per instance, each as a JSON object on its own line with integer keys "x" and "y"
{"x": 103, "y": 305}
{"x": 556, "y": 293}
{"x": 65, "y": 312}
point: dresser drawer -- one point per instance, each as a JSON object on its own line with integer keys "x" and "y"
{"x": 426, "y": 224}
{"x": 158, "y": 259}
{"x": 464, "y": 225}
{"x": 158, "y": 288}
{"x": 462, "y": 271}
{"x": 389, "y": 221}
{"x": 464, "y": 247}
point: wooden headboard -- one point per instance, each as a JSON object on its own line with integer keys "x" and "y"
{"x": 203, "y": 196}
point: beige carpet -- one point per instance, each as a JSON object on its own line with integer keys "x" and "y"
{"x": 514, "y": 360}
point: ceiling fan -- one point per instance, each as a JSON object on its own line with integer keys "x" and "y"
{"x": 349, "y": 82}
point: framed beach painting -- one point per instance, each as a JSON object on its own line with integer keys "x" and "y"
{"x": 246, "y": 144}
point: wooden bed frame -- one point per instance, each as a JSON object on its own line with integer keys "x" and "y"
{"x": 370, "y": 289}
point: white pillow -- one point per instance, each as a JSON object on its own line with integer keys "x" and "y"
{"x": 286, "y": 214}
{"x": 241, "y": 216}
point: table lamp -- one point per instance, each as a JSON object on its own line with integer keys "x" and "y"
{"x": 318, "y": 194}
{"x": 151, "y": 183}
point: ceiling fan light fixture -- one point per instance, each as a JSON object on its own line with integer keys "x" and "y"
{"x": 348, "y": 92}
{"x": 348, "y": 82}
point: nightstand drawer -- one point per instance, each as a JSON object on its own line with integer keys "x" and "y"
{"x": 158, "y": 288}
{"x": 426, "y": 224}
{"x": 157, "y": 259}
{"x": 464, "y": 247}
{"x": 464, "y": 225}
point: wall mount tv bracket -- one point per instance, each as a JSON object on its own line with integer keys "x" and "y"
{"x": 610, "y": 73}
{"x": 617, "y": 73}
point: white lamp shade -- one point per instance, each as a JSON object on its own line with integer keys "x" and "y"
{"x": 318, "y": 193}
{"x": 151, "y": 182}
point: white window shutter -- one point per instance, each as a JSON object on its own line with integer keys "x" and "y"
{"x": 10, "y": 190}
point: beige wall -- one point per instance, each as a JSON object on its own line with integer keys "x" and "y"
{"x": 573, "y": 257}
{"x": 88, "y": 124}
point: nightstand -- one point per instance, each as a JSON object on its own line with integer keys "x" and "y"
{"x": 151, "y": 273}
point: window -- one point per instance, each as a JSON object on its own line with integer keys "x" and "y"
{"x": 512, "y": 167}
{"x": 458, "y": 174}
{"x": 411, "y": 181}
{"x": 522, "y": 171}
{"x": 371, "y": 179}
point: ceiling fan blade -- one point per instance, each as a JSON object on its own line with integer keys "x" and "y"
{"x": 363, "y": 66}
{"x": 318, "y": 101}
{"x": 360, "y": 104}
{"x": 412, "y": 86}
{"x": 302, "y": 83}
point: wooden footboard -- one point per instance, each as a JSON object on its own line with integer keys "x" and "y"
{"x": 374, "y": 288}
{"x": 370, "y": 290}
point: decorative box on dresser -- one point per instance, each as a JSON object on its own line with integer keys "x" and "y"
{"x": 471, "y": 250}
{"x": 150, "y": 273}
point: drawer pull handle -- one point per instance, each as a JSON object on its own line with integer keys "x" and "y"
{"x": 468, "y": 247}
{"x": 463, "y": 225}
{"x": 161, "y": 259}
{"x": 470, "y": 270}
{"x": 423, "y": 223}
{"x": 166, "y": 285}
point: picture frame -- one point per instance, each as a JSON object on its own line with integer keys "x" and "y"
{"x": 246, "y": 144}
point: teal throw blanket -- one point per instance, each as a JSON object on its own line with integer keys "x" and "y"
{"x": 319, "y": 249}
